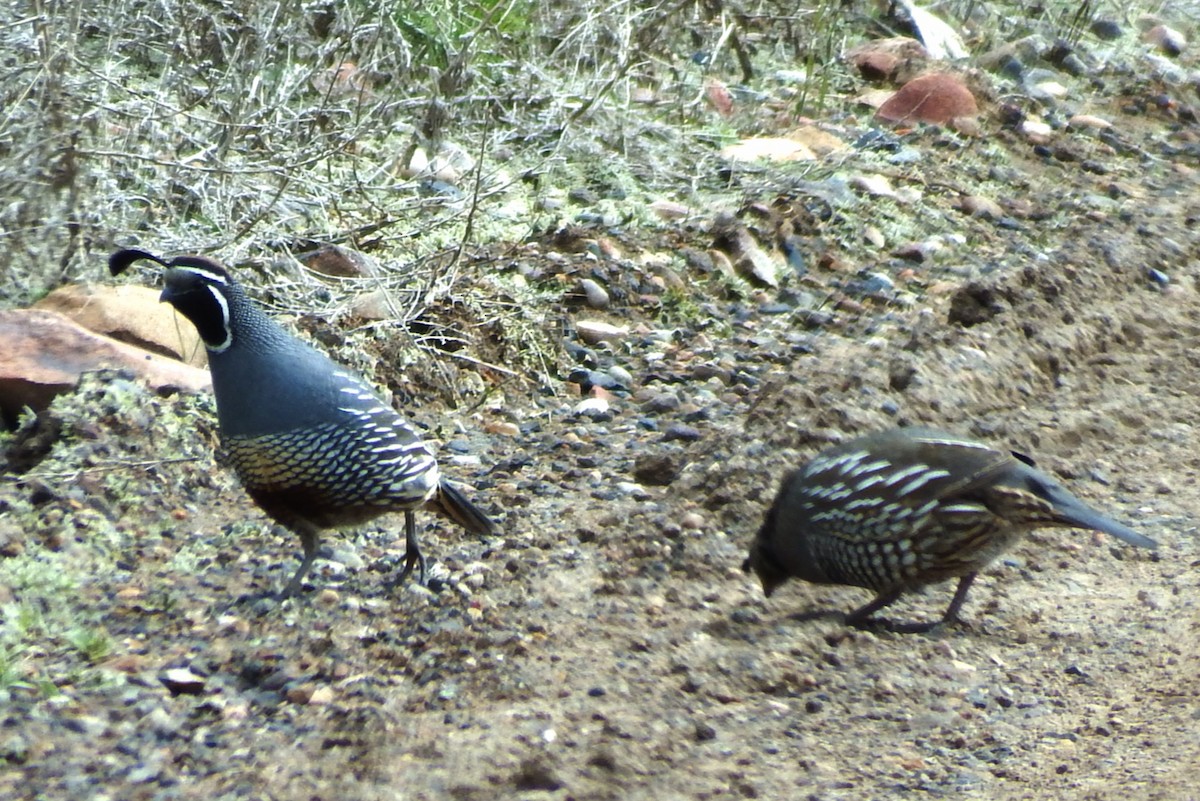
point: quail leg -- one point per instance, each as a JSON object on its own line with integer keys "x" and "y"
{"x": 310, "y": 538}
{"x": 412, "y": 551}
{"x": 861, "y": 617}
{"x": 960, "y": 596}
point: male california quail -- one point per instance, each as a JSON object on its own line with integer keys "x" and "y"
{"x": 312, "y": 443}
{"x": 899, "y": 509}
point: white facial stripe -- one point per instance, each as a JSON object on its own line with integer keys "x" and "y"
{"x": 207, "y": 275}
{"x": 224, "y": 304}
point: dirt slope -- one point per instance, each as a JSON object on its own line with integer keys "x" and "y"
{"x": 604, "y": 649}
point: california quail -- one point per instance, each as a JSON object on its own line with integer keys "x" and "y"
{"x": 899, "y": 509}
{"x": 313, "y": 445}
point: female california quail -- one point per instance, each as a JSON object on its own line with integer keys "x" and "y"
{"x": 313, "y": 445}
{"x": 899, "y": 509}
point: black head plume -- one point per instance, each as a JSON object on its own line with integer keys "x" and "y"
{"x": 119, "y": 262}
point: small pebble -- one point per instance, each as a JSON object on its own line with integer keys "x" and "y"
{"x": 597, "y": 296}
{"x": 1167, "y": 39}
{"x": 594, "y": 408}
{"x": 878, "y": 282}
{"x": 1106, "y": 29}
{"x": 593, "y": 332}
{"x": 656, "y": 469}
{"x": 637, "y": 491}
{"x": 582, "y": 196}
{"x": 181, "y": 681}
{"x": 665, "y": 402}
{"x": 682, "y": 432}
{"x": 621, "y": 375}
{"x": 300, "y": 695}
{"x": 588, "y": 379}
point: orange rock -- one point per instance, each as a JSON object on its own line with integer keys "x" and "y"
{"x": 937, "y": 98}
{"x": 45, "y": 353}
{"x": 130, "y": 314}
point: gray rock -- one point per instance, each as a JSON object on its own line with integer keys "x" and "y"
{"x": 656, "y": 469}
{"x": 597, "y": 296}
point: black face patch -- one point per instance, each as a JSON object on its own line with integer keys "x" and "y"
{"x": 198, "y": 294}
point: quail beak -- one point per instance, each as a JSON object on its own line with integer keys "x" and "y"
{"x": 764, "y": 568}
{"x": 769, "y": 585}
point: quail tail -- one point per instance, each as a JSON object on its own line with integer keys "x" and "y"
{"x": 1072, "y": 510}
{"x": 455, "y": 506}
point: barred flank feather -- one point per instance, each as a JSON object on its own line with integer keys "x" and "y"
{"x": 900, "y": 509}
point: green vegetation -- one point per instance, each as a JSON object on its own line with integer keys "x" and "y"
{"x": 42, "y": 621}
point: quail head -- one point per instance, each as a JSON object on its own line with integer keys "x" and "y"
{"x": 899, "y": 509}
{"x": 312, "y": 443}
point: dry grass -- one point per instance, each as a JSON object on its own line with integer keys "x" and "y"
{"x": 257, "y": 130}
{"x": 228, "y": 128}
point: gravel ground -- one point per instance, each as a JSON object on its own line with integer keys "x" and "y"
{"x": 607, "y": 645}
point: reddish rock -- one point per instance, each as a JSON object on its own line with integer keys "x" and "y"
{"x": 937, "y": 98}
{"x": 894, "y": 60}
{"x": 130, "y": 314}
{"x": 338, "y": 262}
{"x": 45, "y": 353}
